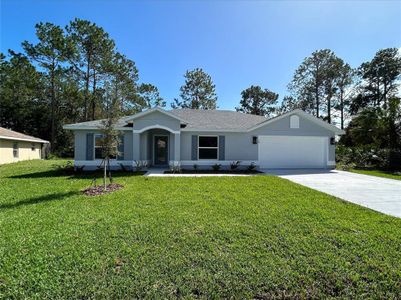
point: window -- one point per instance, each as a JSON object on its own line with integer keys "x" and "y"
{"x": 15, "y": 150}
{"x": 33, "y": 148}
{"x": 99, "y": 147}
{"x": 208, "y": 147}
{"x": 294, "y": 121}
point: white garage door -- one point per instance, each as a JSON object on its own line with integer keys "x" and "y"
{"x": 292, "y": 152}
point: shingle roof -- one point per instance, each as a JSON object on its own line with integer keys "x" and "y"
{"x": 195, "y": 119}
{"x": 209, "y": 120}
{"x": 17, "y": 136}
{"x": 98, "y": 123}
{"x": 217, "y": 119}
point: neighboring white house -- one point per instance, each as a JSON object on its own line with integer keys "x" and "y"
{"x": 16, "y": 146}
{"x": 206, "y": 137}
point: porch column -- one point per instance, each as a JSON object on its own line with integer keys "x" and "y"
{"x": 177, "y": 147}
{"x": 136, "y": 146}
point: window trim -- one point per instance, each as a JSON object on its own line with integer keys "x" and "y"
{"x": 15, "y": 150}
{"x": 94, "y": 148}
{"x": 217, "y": 147}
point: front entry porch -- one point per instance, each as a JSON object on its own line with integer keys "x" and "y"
{"x": 159, "y": 147}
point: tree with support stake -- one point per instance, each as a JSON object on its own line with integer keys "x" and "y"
{"x": 110, "y": 140}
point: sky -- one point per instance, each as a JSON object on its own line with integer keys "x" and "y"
{"x": 239, "y": 43}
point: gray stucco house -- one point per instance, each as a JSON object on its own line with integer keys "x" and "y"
{"x": 205, "y": 137}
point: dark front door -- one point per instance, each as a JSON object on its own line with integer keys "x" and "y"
{"x": 161, "y": 150}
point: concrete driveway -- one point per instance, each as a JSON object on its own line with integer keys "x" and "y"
{"x": 380, "y": 194}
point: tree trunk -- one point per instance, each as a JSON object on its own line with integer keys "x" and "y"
{"x": 87, "y": 79}
{"x": 110, "y": 178}
{"x": 53, "y": 108}
{"x": 378, "y": 93}
{"x": 329, "y": 96}
{"x": 317, "y": 75}
{"x": 329, "y": 109}
{"x": 94, "y": 96}
{"x": 317, "y": 100}
{"x": 342, "y": 108}
{"x": 385, "y": 95}
{"x": 105, "y": 174}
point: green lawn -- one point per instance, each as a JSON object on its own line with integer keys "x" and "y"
{"x": 378, "y": 173}
{"x": 223, "y": 237}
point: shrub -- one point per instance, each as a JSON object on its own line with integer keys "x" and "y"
{"x": 346, "y": 166}
{"x": 67, "y": 168}
{"x": 234, "y": 165}
{"x": 175, "y": 167}
{"x": 216, "y": 167}
{"x": 251, "y": 167}
{"x": 394, "y": 160}
{"x": 140, "y": 164}
{"x": 362, "y": 157}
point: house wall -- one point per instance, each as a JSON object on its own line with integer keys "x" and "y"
{"x": 80, "y": 151}
{"x": 128, "y": 145}
{"x": 80, "y": 144}
{"x": 24, "y": 153}
{"x": 239, "y": 146}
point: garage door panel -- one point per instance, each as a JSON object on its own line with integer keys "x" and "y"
{"x": 292, "y": 152}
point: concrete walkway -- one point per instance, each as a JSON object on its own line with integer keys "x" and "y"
{"x": 380, "y": 194}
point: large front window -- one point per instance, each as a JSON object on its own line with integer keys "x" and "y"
{"x": 208, "y": 147}
{"x": 99, "y": 147}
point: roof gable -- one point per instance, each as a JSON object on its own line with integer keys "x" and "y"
{"x": 152, "y": 110}
{"x": 305, "y": 115}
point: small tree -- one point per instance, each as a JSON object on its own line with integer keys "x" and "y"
{"x": 111, "y": 137}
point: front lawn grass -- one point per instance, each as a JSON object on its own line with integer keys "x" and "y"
{"x": 378, "y": 173}
{"x": 210, "y": 237}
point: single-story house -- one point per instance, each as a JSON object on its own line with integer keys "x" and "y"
{"x": 16, "y": 146}
{"x": 187, "y": 137}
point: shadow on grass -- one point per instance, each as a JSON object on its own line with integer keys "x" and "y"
{"x": 44, "y": 174}
{"x": 40, "y": 199}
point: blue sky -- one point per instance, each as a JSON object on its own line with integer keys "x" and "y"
{"x": 239, "y": 43}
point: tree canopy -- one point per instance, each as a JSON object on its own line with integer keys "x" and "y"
{"x": 69, "y": 75}
{"x": 258, "y": 101}
{"x": 198, "y": 91}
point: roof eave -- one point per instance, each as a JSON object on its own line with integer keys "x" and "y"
{"x": 24, "y": 139}
{"x": 77, "y": 127}
{"x": 212, "y": 130}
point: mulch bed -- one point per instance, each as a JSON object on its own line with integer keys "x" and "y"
{"x": 99, "y": 189}
{"x": 186, "y": 171}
